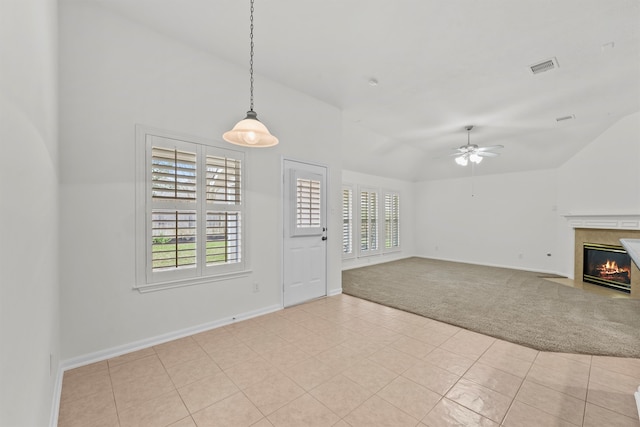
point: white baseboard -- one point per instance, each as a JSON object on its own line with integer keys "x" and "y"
{"x": 511, "y": 267}
{"x": 112, "y": 352}
{"x": 109, "y": 353}
{"x": 334, "y": 292}
{"x": 365, "y": 261}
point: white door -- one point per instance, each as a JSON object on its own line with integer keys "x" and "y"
{"x": 305, "y": 225}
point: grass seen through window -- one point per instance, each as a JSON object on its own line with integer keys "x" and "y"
{"x": 167, "y": 254}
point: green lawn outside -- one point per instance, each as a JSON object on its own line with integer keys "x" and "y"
{"x": 164, "y": 255}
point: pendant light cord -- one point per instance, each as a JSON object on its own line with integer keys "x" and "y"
{"x": 251, "y": 60}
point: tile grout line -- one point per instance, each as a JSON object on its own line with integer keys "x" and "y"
{"x": 586, "y": 396}
{"x": 175, "y": 388}
{"x": 113, "y": 392}
{"x": 462, "y": 376}
{"x": 520, "y": 387}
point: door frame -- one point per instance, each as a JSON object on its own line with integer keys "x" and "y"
{"x": 283, "y": 225}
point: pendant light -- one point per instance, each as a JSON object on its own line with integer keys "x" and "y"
{"x": 250, "y": 132}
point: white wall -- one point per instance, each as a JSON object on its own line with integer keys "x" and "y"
{"x": 407, "y": 209}
{"x": 506, "y": 220}
{"x": 514, "y": 220}
{"x": 115, "y": 74}
{"x": 603, "y": 179}
{"x": 29, "y": 307}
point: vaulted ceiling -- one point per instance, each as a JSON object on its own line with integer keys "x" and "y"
{"x": 440, "y": 65}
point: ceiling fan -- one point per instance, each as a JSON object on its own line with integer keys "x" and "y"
{"x": 472, "y": 152}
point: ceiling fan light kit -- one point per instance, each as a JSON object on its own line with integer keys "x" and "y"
{"x": 250, "y": 132}
{"x": 462, "y": 160}
{"x": 472, "y": 153}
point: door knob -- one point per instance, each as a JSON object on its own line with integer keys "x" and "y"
{"x": 324, "y": 237}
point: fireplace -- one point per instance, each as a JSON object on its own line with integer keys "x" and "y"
{"x": 607, "y": 265}
{"x": 604, "y": 230}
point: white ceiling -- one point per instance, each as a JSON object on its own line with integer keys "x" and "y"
{"x": 440, "y": 65}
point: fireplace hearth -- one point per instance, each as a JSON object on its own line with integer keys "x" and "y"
{"x": 607, "y": 265}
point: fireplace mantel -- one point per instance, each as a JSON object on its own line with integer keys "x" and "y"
{"x": 604, "y": 221}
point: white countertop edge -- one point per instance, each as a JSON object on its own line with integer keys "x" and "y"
{"x": 633, "y": 248}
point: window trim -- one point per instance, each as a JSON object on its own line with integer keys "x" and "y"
{"x": 145, "y": 279}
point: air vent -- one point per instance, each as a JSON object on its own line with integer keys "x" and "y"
{"x": 562, "y": 119}
{"x": 543, "y": 66}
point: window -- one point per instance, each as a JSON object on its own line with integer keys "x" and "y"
{"x": 391, "y": 221}
{"x": 306, "y": 209}
{"x": 377, "y": 219}
{"x": 347, "y": 222}
{"x": 190, "y": 211}
{"x": 173, "y": 215}
{"x": 368, "y": 221}
{"x": 224, "y": 203}
{"x": 307, "y": 203}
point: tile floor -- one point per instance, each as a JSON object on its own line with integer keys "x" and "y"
{"x": 590, "y": 287}
{"x": 342, "y": 361}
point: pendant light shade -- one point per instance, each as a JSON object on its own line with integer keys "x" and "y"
{"x": 250, "y": 132}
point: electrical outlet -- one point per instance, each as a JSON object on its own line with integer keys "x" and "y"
{"x": 256, "y": 287}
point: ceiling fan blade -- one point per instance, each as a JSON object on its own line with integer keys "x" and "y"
{"x": 487, "y": 154}
{"x": 489, "y": 148}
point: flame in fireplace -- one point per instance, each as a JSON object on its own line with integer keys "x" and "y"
{"x": 610, "y": 268}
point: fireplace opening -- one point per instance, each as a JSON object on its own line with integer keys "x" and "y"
{"x": 607, "y": 265}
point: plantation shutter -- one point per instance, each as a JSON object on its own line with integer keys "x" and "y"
{"x": 223, "y": 237}
{"x": 308, "y": 203}
{"x": 364, "y": 221}
{"x": 173, "y": 174}
{"x": 173, "y": 218}
{"x": 224, "y": 201}
{"x": 223, "y": 180}
{"x": 347, "y": 221}
{"x": 368, "y": 221}
{"x": 305, "y": 214}
{"x": 173, "y": 239}
{"x": 392, "y": 220}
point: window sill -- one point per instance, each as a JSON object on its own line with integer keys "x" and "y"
{"x": 160, "y": 286}
{"x": 377, "y": 252}
{"x": 391, "y": 251}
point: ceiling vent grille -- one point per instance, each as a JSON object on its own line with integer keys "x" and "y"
{"x": 543, "y": 66}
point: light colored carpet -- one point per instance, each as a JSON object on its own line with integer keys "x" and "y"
{"x": 517, "y": 306}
